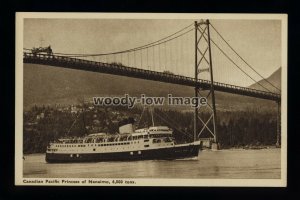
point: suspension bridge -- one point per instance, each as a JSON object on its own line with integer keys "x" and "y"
{"x": 197, "y": 55}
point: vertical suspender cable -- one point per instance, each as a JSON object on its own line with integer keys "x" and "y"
{"x": 153, "y": 58}
{"x": 159, "y": 56}
{"x": 134, "y": 58}
{"x": 141, "y": 59}
{"x": 165, "y": 56}
{"x": 147, "y": 60}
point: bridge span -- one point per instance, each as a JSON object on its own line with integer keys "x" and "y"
{"x": 118, "y": 69}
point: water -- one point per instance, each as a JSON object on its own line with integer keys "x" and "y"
{"x": 234, "y": 163}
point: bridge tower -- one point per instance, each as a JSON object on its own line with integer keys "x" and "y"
{"x": 205, "y": 116}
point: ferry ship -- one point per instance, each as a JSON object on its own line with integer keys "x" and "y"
{"x": 153, "y": 143}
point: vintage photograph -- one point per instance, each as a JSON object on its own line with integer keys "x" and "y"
{"x": 151, "y": 99}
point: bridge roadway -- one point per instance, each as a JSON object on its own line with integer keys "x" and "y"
{"x": 86, "y": 65}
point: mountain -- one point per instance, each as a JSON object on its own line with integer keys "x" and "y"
{"x": 274, "y": 79}
{"x": 55, "y": 85}
{"x": 50, "y": 85}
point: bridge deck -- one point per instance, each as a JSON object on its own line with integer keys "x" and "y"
{"x": 86, "y": 65}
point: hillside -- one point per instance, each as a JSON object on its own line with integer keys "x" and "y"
{"x": 274, "y": 78}
{"x": 51, "y": 85}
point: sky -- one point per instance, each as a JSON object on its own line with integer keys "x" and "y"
{"x": 257, "y": 41}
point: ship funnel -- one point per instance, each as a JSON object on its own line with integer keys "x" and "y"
{"x": 126, "y": 126}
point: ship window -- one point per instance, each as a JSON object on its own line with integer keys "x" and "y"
{"x": 94, "y": 149}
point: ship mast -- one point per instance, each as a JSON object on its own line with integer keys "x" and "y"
{"x": 152, "y": 110}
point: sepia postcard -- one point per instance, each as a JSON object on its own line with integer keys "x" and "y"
{"x": 123, "y": 99}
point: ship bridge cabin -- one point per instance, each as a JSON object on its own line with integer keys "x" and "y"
{"x": 152, "y": 135}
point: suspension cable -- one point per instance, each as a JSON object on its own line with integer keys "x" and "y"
{"x": 129, "y": 50}
{"x": 234, "y": 62}
{"x": 242, "y": 58}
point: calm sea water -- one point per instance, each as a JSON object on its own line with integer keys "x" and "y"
{"x": 233, "y": 163}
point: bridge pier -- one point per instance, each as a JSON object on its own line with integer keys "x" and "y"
{"x": 278, "y": 143}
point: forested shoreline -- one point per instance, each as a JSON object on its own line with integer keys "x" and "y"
{"x": 235, "y": 129}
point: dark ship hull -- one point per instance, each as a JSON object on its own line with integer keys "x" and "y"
{"x": 168, "y": 153}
